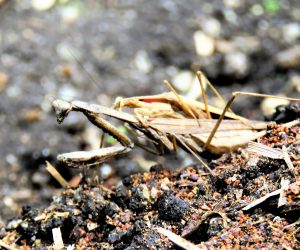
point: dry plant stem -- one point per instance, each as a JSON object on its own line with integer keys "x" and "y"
{"x": 263, "y": 150}
{"x": 56, "y": 175}
{"x": 291, "y": 225}
{"x": 273, "y": 153}
{"x": 261, "y": 200}
{"x": 288, "y": 161}
{"x": 267, "y": 196}
{"x": 234, "y": 95}
{"x": 6, "y": 246}
{"x": 57, "y": 239}
{"x": 183, "y": 243}
{"x": 282, "y": 197}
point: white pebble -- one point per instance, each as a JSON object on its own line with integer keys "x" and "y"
{"x": 187, "y": 82}
{"x": 204, "y": 44}
{"x": 42, "y": 5}
{"x": 233, "y": 3}
{"x": 67, "y": 52}
{"x": 269, "y": 105}
{"x": 67, "y": 92}
{"x": 211, "y": 26}
{"x": 194, "y": 91}
{"x": 236, "y": 63}
{"x": 70, "y": 14}
{"x": 183, "y": 80}
{"x": 230, "y": 16}
{"x": 143, "y": 62}
{"x": 291, "y": 32}
{"x": 105, "y": 171}
{"x": 294, "y": 83}
{"x": 11, "y": 159}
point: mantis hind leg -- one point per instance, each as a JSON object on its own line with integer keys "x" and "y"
{"x": 202, "y": 78}
{"x": 228, "y": 104}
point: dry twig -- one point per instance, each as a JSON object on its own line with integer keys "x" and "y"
{"x": 57, "y": 239}
{"x": 176, "y": 239}
{"x": 56, "y": 175}
{"x": 274, "y": 153}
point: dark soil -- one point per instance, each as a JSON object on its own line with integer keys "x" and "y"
{"x": 205, "y": 210}
{"x": 93, "y": 56}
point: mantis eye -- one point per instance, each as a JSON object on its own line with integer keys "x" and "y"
{"x": 62, "y": 109}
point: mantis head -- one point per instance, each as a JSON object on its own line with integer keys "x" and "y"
{"x": 62, "y": 109}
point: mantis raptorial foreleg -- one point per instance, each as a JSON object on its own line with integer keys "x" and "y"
{"x": 84, "y": 159}
{"x": 228, "y": 104}
{"x": 108, "y": 128}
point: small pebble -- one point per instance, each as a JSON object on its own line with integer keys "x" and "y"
{"x": 294, "y": 83}
{"x": 237, "y": 63}
{"x": 289, "y": 58}
{"x": 211, "y": 26}
{"x": 257, "y": 10}
{"x": 11, "y": 159}
{"x": 67, "y": 92}
{"x": 40, "y": 178}
{"x": 70, "y": 13}
{"x": 194, "y": 91}
{"x": 291, "y": 32}
{"x": 143, "y": 62}
{"x": 188, "y": 83}
{"x": 230, "y": 16}
{"x": 13, "y": 91}
{"x": 42, "y": 5}
{"x": 233, "y": 3}
{"x": 67, "y": 52}
{"x": 105, "y": 171}
{"x": 204, "y": 44}
{"x": 91, "y": 226}
{"x": 225, "y": 47}
{"x": 268, "y": 105}
{"x": 183, "y": 80}
{"x": 246, "y": 44}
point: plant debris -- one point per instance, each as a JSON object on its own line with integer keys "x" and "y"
{"x": 252, "y": 202}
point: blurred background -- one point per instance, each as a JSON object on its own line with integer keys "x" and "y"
{"x": 97, "y": 50}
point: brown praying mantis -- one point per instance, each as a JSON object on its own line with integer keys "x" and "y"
{"x": 168, "y": 120}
